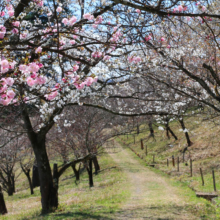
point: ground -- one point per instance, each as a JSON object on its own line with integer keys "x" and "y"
{"x": 153, "y": 196}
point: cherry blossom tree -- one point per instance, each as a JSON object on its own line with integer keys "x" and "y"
{"x": 100, "y": 54}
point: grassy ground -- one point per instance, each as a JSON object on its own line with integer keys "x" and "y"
{"x": 76, "y": 201}
{"x": 155, "y": 195}
{"x": 205, "y": 152}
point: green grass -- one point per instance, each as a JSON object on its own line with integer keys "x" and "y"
{"x": 205, "y": 153}
{"x": 76, "y": 201}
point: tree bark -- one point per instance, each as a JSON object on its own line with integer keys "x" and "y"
{"x": 189, "y": 143}
{"x": 29, "y": 181}
{"x": 35, "y": 177}
{"x": 96, "y": 165}
{"x": 89, "y": 170}
{"x": 49, "y": 193}
{"x": 169, "y": 129}
{"x": 3, "y": 209}
{"x": 151, "y": 129}
{"x": 76, "y": 172}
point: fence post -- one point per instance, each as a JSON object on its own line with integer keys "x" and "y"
{"x": 213, "y": 176}
{"x": 178, "y": 162}
{"x": 202, "y": 176}
{"x": 191, "y": 167}
{"x": 173, "y": 161}
{"x": 142, "y": 145}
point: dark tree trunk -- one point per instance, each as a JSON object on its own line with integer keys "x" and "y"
{"x": 3, "y": 209}
{"x": 13, "y": 182}
{"x": 171, "y": 132}
{"x": 151, "y": 129}
{"x": 89, "y": 170}
{"x": 76, "y": 172}
{"x": 10, "y": 190}
{"x": 138, "y": 130}
{"x": 49, "y": 192}
{"x": 29, "y": 181}
{"x": 35, "y": 177}
{"x": 189, "y": 143}
{"x": 168, "y": 130}
{"x": 96, "y": 165}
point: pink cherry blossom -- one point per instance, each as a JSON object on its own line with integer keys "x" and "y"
{"x": 89, "y": 80}
{"x": 52, "y": 95}
{"x": 148, "y": 38}
{"x": 88, "y": 16}
{"x": 75, "y": 68}
{"x": 33, "y": 67}
{"x": 2, "y": 14}
{"x": 180, "y": 8}
{"x": 9, "y": 81}
{"x": 80, "y": 86}
{"x": 72, "y": 20}
{"x": 31, "y": 82}
{"x": 3, "y": 88}
{"x": 41, "y": 80}
{"x": 203, "y": 8}
{"x": 162, "y": 39}
{"x": 99, "y": 20}
{"x": 138, "y": 11}
{"x": 11, "y": 13}
{"x": 38, "y": 50}
{"x": 10, "y": 94}
{"x": 65, "y": 21}
{"x": 16, "y": 23}
{"x": 5, "y": 101}
{"x": 15, "y": 31}
{"x": 72, "y": 41}
{"x": 59, "y": 9}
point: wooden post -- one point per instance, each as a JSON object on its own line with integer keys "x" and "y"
{"x": 213, "y": 176}
{"x": 153, "y": 158}
{"x": 167, "y": 162}
{"x": 142, "y": 145}
{"x": 146, "y": 150}
{"x": 202, "y": 176}
{"x": 178, "y": 162}
{"x": 191, "y": 167}
{"x": 173, "y": 161}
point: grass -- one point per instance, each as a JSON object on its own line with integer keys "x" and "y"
{"x": 76, "y": 201}
{"x": 204, "y": 152}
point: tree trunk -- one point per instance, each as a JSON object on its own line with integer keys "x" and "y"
{"x": 49, "y": 193}
{"x": 3, "y": 209}
{"x": 13, "y": 182}
{"x": 35, "y": 177}
{"x": 151, "y": 129}
{"x": 10, "y": 189}
{"x": 89, "y": 170}
{"x": 29, "y": 181}
{"x": 96, "y": 165}
{"x": 189, "y": 143}
{"x": 169, "y": 129}
{"x": 76, "y": 172}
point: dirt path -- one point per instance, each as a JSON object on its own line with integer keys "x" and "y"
{"x": 152, "y": 195}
